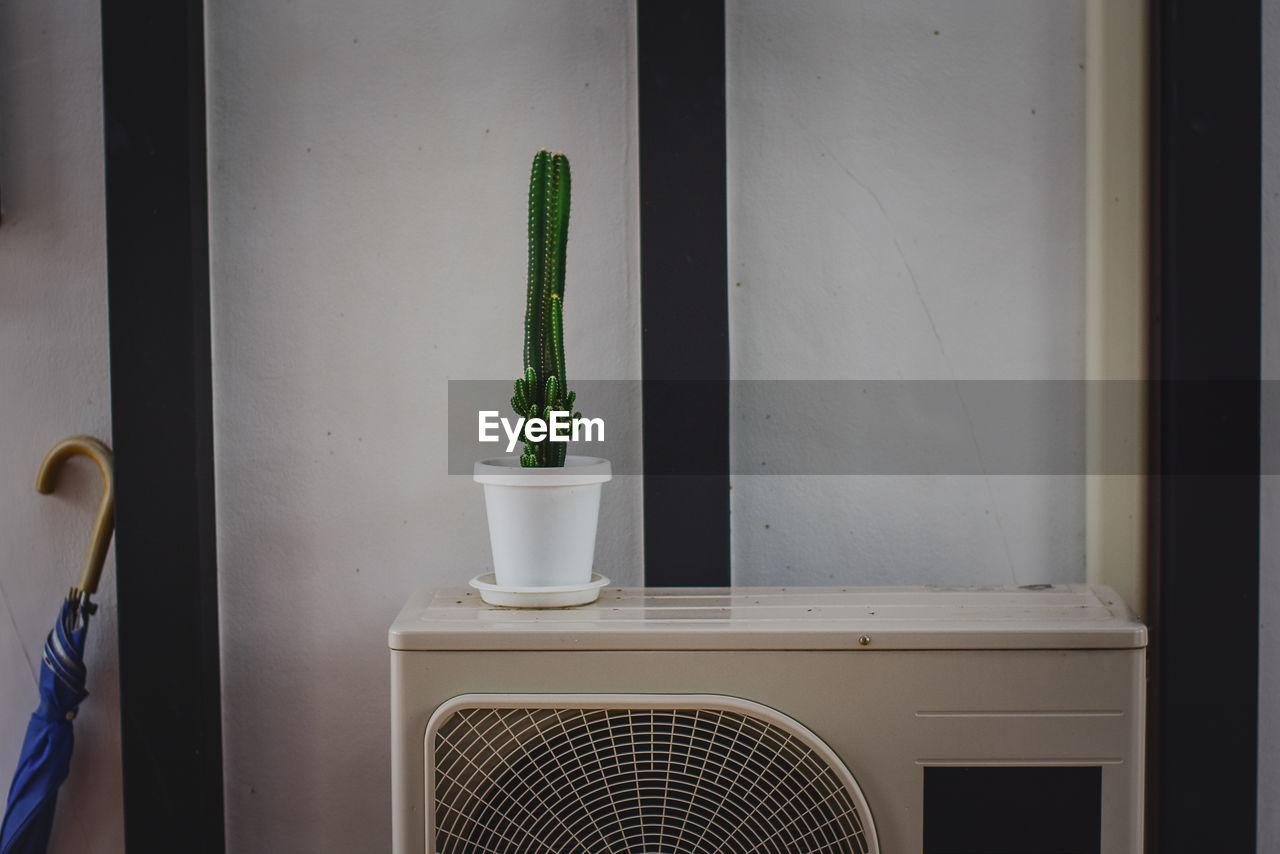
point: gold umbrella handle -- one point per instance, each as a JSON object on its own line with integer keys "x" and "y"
{"x": 106, "y": 521}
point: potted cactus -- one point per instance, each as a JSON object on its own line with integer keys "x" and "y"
{"x": 543, "y": 505}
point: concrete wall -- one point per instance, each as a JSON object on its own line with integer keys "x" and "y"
{"x": 54, "y": 382}
{"x": 367, "y": 167}
{"x": 906, "y": 203}
{"x": 1269, "y": 627}
{"x": 366, "y": 173}
{"x": 368, "y": 179}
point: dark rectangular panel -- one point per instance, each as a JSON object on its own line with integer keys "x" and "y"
{"x": 684, "y": 293}
{"x": 158, "y": 283}
{"x": 1206, "y": 352}
{"x": 1013, "y": 810}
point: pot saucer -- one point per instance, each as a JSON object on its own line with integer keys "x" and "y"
{"x": 538, "y": 597}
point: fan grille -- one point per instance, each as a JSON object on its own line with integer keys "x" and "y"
{"x": 638, "y": 780}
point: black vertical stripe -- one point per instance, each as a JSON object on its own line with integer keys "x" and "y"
{"x": 684, "y": 295}
{"x": 161, "y": 390}
{"x": 1206, "y": 354}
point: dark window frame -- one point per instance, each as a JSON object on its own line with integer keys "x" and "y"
{"x": 684, "y": 298}
{"x": 162, "y": 431}
{"x": 1204, "y": 431}
{"x": 1205, "y": 295}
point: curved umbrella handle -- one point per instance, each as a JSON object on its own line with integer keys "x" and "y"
{"x": 105, "y": 524}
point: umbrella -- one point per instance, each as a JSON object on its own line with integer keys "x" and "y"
{"x": 46, "y": 751}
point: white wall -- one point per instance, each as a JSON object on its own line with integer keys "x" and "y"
{"x": 351, "y": 280}
{"x": 368, "y": 184}
{"x": 1269, "y": 626}
{"x": 906, "y": 203}
{"x": 367, "y": 173}
{"x": 54, "y": 382}
{"x": 367, "y": 170}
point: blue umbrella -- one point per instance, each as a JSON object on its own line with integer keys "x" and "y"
{"x": 46, "y": 751}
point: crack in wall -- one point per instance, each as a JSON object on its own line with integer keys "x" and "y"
{"x": 942, "y": 348}
{"x": 4, "y": 597}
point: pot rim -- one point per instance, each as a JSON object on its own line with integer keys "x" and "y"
{"x": 577, "y": 471}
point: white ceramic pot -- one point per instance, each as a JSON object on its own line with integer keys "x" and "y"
{"x": 542, "y": 521}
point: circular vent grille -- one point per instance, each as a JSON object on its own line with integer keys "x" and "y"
{"x": 643, "y": 780}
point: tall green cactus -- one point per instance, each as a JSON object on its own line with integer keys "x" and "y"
{"x": 544, "y": 388}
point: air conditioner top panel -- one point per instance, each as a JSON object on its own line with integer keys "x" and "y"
{"x": 852, "y": 618}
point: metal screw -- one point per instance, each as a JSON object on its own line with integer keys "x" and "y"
{"x": 864, "y": 640}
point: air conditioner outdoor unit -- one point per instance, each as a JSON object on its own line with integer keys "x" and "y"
{"x": 895, "y": 720}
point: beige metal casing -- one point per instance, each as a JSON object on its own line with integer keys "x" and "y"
{"x": 892, "y": 679}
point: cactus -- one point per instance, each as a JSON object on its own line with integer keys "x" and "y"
{"x": 544, "y": 388}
